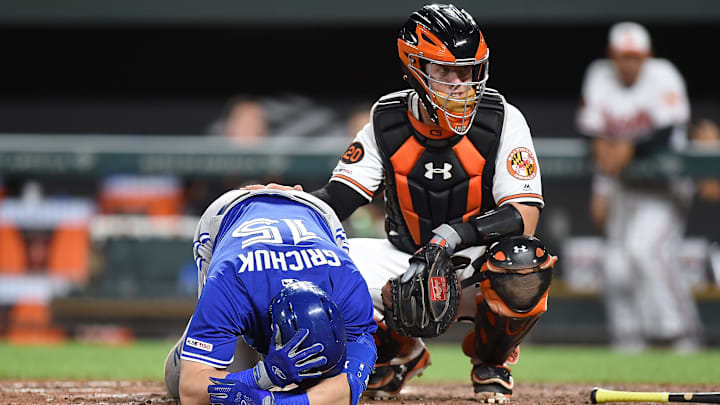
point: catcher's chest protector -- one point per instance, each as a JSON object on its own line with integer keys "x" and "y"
{"x": 429, "y": 182}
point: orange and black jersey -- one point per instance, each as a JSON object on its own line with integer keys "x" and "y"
{"x": 431, "y": 177}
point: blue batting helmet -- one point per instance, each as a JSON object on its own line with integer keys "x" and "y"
{"x": 304, "y": 305}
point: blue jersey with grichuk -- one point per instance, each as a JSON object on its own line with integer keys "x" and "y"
{"x": 263, "y": 244}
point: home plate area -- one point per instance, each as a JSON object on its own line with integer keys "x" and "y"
{"x": 153, "y": 392}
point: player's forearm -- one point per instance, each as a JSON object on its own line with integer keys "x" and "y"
{"x": 331, "y": 391}
{"x": 194, "y": 380}
{"x": 612, "y": 156}
{"x": 509, "y": 220}
{"x": 190, "y": 395}
{"x": 481, "y": 230}
{"x": 530, "y": 216}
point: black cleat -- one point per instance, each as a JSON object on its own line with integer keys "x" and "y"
{"x": 492, "y": 384}
{"x": 388, "y": 381}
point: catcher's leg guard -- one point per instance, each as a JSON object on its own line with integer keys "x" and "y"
{"x": 497, "y": 335}
{"x": 515, "y": 283}
{"x": 399, "y": 359}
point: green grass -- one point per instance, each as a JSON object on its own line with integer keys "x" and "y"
{"x": 587, "y": 365}
{"x": 141, "y": 360}
{"x": 144, "y": 360}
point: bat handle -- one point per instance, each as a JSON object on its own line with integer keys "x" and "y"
{"x": 599, "y": 395}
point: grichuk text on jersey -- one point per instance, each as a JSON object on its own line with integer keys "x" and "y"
{"x": 294, "y": 260}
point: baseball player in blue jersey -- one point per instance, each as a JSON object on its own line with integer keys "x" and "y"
{"x": 273, "y": 270}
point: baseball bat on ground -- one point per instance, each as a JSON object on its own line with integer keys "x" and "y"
{"x": 599, "y": 395}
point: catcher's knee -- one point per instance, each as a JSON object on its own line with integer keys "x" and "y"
{"x": 515, "y": 284}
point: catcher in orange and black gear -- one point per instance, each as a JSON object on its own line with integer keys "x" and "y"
{"x": 449, "y": 155}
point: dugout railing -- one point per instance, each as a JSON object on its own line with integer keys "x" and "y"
{"x": 197, "y": 156}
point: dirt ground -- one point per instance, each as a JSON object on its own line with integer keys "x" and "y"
{"x": 152, "y": 392}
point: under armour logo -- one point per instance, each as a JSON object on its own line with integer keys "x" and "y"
{"x": 521, "y": 248}
{"x": 432, "y": 170}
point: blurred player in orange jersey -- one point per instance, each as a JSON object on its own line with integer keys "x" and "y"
{"x": 635, "y": 107}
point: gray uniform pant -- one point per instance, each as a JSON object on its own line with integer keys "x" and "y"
{"x": 645, "y": 294}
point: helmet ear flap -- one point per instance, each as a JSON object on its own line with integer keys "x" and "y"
{"x": 425, "y": 97}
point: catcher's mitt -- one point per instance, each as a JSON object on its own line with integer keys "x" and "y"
{"x": 426, "y": 297}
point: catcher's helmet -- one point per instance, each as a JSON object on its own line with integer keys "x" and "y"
{"x": 304, "y": 305}
{"x": 438, "y": 37}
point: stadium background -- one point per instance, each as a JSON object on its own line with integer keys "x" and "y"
{"x": 148, "y": 80}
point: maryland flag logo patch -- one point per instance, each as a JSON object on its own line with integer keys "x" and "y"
{"x": 521, "y": 164}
